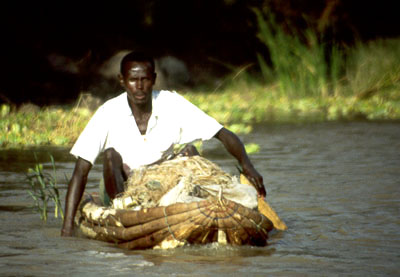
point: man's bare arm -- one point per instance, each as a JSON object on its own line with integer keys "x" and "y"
{"x": 235, "y": 147}
{"x": 76, "y": 188}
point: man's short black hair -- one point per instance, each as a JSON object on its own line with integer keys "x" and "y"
{"x": 137, "y": 57}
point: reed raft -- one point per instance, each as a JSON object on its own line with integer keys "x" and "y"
{"x": 208, "y": 221}
{"x": 143, "y": 223}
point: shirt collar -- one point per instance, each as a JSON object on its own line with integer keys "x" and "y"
{"x": 155, "y": 109}
{"x": 154, "y": 112}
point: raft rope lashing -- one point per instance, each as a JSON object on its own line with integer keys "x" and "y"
{"x": 229, "y": 215}
{"x": 258, "y": 225}
{"x": 169, "y": 227}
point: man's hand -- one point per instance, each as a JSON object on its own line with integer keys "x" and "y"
{"x": 255, "y": 178}
{"x": 67, "y": 232}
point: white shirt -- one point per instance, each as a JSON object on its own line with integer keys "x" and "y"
{"x": 174, "y": 120}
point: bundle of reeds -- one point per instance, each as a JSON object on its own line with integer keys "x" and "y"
{"x": 214, "y": 220}
{"x": 147, "y": 185}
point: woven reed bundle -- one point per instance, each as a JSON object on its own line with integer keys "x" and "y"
{"x": 147, "y": 185}
{"x": 213, "y": 220}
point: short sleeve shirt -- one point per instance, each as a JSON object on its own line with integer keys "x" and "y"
{"x": 174, "y": 120}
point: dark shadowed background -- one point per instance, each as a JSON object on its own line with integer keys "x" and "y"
{"x": 52, "y": 52}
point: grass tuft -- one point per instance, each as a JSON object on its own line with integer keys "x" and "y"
{"x": 43, "y": 187}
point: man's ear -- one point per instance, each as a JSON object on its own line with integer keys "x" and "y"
{"x": 121, "y": 79}
{"x": 154, "y": 77}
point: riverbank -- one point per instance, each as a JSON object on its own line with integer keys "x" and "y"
{"x": 238, "y": 109}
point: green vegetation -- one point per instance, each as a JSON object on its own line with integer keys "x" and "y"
{"x": 299, "y": 62}
{"x": 44, "y": 188}
{"x": 304, "y": 66}
{"x": 47, "y": 126}
{"x": 305, "y": 80}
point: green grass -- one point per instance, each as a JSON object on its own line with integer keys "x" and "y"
{"x": 48, "y": 126}
{"x": 43, "y": 187}
{"x": 300, "y": 65}
{"x": 303, "y": 65}
{"x": 373, "y": 68}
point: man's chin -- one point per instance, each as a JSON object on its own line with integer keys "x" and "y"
{"x": 140, "y": 100}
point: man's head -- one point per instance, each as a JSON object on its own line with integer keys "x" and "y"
{"x": 136, "y": 57}
{"x": 138, "y": 77}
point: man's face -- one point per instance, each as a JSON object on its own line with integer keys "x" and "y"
{"x": 138, "y": 79}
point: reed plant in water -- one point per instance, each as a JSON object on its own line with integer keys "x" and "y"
{"x": 43, "y": 187}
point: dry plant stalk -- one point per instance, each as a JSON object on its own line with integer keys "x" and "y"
{"x": 266, "y": 209}
{"x": 147, "y": 185}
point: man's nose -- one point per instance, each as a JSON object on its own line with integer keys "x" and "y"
{"x": 139, "y": 84}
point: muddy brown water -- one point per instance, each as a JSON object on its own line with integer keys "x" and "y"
{"x": 336, "y": 185}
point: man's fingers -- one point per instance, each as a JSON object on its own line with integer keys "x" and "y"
{"x": 261, "y": 190}
{"x": 259, "y": 186}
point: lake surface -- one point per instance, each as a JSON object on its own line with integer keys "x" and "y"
{"x": 336, "y": 185}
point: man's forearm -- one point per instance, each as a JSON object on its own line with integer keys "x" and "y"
{"x": 236, "y": 148}
{"x": 233, "y": 144}
{"x": 74, "y": 194}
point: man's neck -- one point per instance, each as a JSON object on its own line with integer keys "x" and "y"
{"x": 141, "y": 110}
{"x": 142, "y": 114}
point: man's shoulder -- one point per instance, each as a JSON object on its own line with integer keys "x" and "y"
{"x": 165, "y": 100}
{"x": 167, "y": 95}
{"x": 113, "y": 107}
{"x": 162, "y": 93}
{"x": 116, "y": 99}
{"x": 115, "y": 102}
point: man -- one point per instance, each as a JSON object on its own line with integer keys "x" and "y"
{"x": 139, "y": 127}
